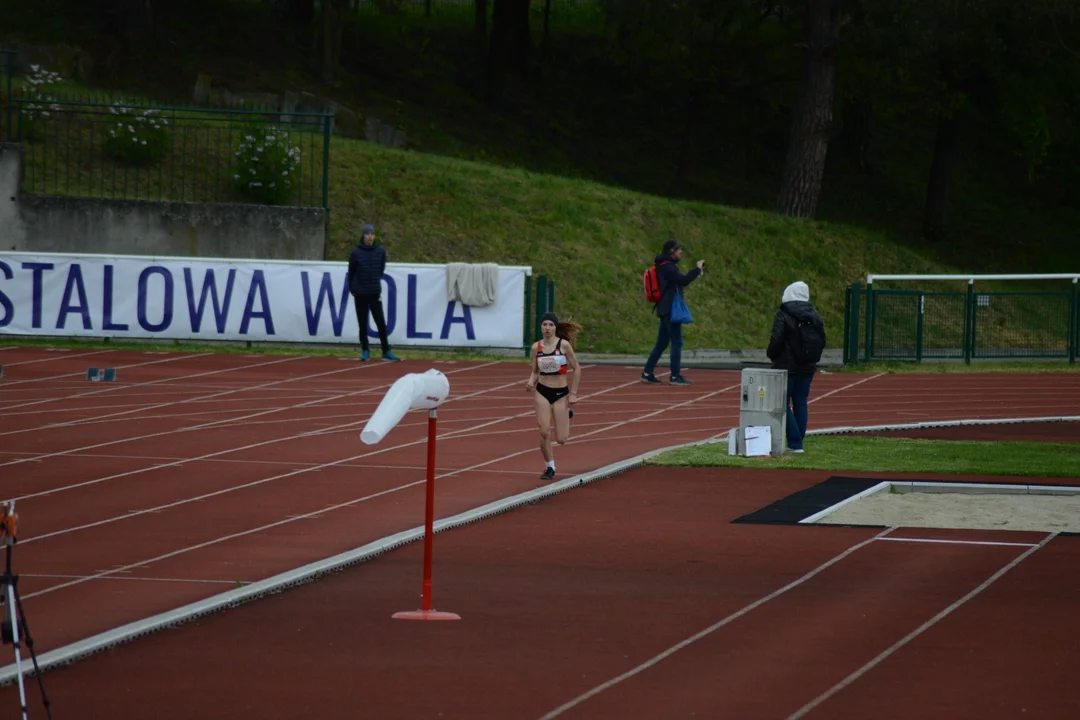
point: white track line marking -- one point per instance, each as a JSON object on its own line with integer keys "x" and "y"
{"x": 141, "y": 408}
{"x": 916, "y": 632}
{"x": 841, "y": 389}
{"x": 958, "y": 542}
{"x": 336, "y": 463}
{"x": 289, "y": 463}
{"x": 526, "y": 413}
{"x": 323, "y": 511}
{"x": 135, "y": 577}
{"x": 5, "y": 385}
{"x": 58, "y": 357}
{"x": 95, "y": 481}
{"x": 709, "y": 630}
{"x": 214, "y": 423}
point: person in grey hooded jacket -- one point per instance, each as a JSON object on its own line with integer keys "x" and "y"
{"x": 784, "y": 345}
{"x": 367, "y": 263}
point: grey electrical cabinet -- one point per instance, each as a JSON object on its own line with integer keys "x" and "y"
{"x": 763, "y": 401}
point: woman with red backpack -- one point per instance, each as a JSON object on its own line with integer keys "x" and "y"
{"x": 670, "y": 284}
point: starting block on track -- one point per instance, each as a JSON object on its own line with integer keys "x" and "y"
{"x": 106, "y": 375}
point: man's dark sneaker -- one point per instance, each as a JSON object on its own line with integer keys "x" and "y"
{"x": 680, "y": 380}
{"x": 549, "y": 474}
{"x": 649, "y": 378}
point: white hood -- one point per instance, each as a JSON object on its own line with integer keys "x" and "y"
{"x": 797, "y": 291}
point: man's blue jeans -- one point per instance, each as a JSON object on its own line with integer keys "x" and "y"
{"x": 798, "y": 390}
{"x": 669, "y": 332}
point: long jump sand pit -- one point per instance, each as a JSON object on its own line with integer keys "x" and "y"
{"x": 1040, "y": 508}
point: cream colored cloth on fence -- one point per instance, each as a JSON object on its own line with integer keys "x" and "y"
{"x": 474, "y": 285}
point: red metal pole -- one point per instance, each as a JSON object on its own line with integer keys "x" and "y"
{"x": 425, "y": 612}
{"x": 429, "y": 518}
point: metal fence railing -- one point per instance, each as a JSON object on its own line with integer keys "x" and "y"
{"x": 971, "y": 324}
{"x": 119, "y": 150}
{"x": 7, "y": 108}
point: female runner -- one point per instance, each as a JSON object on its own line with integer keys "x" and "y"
{"x": 552, "y": 356}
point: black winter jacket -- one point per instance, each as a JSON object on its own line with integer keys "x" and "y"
{"x": 784, "y": 324}
{"x": 671, "y": 281}
{"x": 367, "y": 263}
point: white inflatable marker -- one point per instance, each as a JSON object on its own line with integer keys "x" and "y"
{"x": 415, "y": 391}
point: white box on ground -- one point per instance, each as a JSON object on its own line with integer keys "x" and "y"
{"x": 763, "y": 402}
{"x": 415, "y": 391}
{"x": 758, "y": 440}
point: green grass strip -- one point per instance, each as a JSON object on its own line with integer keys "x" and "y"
{"x": 878, "y": 454}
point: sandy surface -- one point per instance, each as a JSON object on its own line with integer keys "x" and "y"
{"x": 1045, "y": 513}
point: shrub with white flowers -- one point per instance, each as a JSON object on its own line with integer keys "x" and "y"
{"x": 267, "y": 166}
{"x": 43, "y": 105}
{"x": 136, "y": 136}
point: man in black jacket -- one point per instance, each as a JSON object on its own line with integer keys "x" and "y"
{"x": 671, "y": 281}
{"x": 367, "y": 262}
{"x": 788, "y": 350}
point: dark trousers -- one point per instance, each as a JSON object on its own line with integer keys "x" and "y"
{"x": 669, "y": 332}
{"x": 372, "y": 303}
{"x": 798, "y": 390}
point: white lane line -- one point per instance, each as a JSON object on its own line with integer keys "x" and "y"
{"x": 884, "y": 655}
{"x": 58, "y": 357}
{"x": 323, "y": 511}
{"x": 95, "y": 481}
{"x": 959, "y": 542}
{"x": 5, "y": 385}
{"x": 659, "y": 657}
{"x": 49, "y": 576}
{"x": 142, "y": 408}
{"x": 446, "y": 436}
{"x": 841, "y": 389}
{"x": 203, "y": 426}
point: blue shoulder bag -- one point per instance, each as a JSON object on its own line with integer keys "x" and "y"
{"x": 680, "y": 313}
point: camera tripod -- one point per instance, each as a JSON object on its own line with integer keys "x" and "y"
{"x": 13, "y": 627}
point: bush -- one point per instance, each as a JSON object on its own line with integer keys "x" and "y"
{"x": 266, "y": 166}
{"x": 37, "y": 113}
{"x": 135, "y": 139}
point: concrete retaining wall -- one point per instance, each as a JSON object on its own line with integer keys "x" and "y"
{"x": 37, "y": 223}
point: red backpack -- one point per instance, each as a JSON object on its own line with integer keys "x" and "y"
{"x": 651, "y": 280}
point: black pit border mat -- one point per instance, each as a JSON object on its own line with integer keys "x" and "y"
{"x": 794, "y": 508}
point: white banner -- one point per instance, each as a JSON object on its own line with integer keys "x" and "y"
{"x": 224, "y": 299}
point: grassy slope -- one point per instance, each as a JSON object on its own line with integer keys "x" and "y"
{"x": 595, "y": 241}
{"x": 872, "y": 454}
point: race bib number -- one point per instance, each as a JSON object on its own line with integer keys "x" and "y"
{"x": 549, "y": 364}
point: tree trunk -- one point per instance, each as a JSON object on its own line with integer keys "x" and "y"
{"x": 811, "y": 125}
{"x": 333, "y": 16}
{"x": 510, "y": 41}
{"x": 480, "y": 48}
{"x": 937, "y": 192}
{"x": 297, "y": 13}
{"x": 546, "y": 35}
{"x": 133, "y": 20}
{"x": 859, "y": 114}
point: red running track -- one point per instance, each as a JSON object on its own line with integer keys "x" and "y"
{"x": 195, "y": 472}
{"x": 633, "y": 597}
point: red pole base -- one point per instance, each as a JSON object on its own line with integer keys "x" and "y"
{"x": 425, "y": 615}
